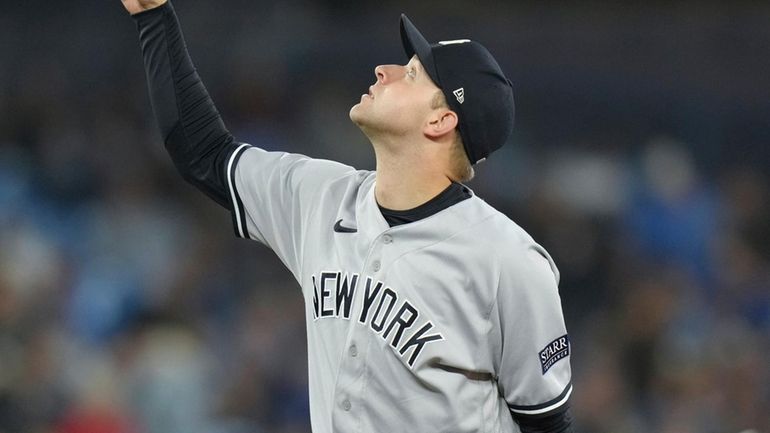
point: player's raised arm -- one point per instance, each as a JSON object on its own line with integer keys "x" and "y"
{"x": 192, "y": 129}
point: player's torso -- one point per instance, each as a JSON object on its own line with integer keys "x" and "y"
{"x": 398, "y": 331}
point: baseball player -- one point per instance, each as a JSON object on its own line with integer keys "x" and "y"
{"x": 427, "y": 310}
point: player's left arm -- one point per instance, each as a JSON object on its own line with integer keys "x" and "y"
{"x": 193, "y": 132}
{"x": 533, "y": 365}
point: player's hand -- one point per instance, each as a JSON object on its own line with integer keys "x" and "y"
{"x": 136, "y": 6}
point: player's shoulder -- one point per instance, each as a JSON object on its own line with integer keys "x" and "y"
{"x": 296, "y": 166}
{"x": 496, "y": 228}
{"x": 288, "y": 160}
{"x": 508, "y": 243}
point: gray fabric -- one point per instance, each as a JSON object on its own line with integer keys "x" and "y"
{"x": 435, "y": 325}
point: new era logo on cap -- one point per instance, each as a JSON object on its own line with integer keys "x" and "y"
{"x": 459, "y": 94}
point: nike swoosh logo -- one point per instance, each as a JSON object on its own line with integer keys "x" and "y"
{"x": 339, "y": 228}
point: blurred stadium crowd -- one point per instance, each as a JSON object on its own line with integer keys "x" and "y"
{"x": 640, "y": 161}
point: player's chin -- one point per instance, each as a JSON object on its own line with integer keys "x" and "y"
{"x": 357, "y": 114}
{"x": 364, "y": 121}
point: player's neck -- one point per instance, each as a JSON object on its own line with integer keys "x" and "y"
{"x": 406, "y": 185}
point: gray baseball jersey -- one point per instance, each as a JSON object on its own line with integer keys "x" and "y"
{"x": 446, "y": 324}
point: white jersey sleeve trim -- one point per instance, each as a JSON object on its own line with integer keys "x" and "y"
{"x": 239, "y": 214}
{"x": 544, "y": 407}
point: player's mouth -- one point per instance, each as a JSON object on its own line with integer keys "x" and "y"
{"x": 371, "y": 95}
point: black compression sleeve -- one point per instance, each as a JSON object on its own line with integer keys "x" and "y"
{"x": 559, "y": 422}
{"x": 192, "y": 129}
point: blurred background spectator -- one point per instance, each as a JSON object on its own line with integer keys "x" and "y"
{"x": 640, "y": 161}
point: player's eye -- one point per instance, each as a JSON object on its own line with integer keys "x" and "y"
{"x": 411, "y": 72}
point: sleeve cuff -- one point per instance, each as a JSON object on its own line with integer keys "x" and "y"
{"x": 238, "y": 211}
{"x": 544, "y": 409}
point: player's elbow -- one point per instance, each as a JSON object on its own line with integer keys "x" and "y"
{"x": 186, "y": 171}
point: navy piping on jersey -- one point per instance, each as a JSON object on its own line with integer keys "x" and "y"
{"x": 238, "y": 213}
{"x": 542, "y": 409}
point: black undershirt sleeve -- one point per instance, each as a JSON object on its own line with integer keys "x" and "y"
{"x": 190, "y": 125}
{"x": 559, "y": 422}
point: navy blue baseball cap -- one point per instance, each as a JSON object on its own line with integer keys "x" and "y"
{"x": 473, "y": 84}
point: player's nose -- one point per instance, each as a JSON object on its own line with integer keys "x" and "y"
{"x": 379, "y": 72}
{"x": 386, "y": 73}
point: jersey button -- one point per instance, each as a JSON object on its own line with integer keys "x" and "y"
{"x": 387, "y": 239}
{"x": 346, "y": 405}
{"x": 353, "y": 351}
{"x": 376, "y": 265}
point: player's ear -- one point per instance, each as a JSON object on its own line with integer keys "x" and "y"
{"x": 440, "y": 122}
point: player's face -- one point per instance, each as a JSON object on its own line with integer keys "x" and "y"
{"x": 398, "y": 103}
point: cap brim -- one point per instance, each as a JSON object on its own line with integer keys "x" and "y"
{"x": 415, "y": 43}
